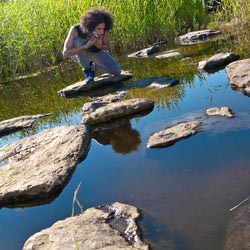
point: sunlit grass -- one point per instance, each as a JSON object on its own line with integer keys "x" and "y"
{"x": 233, "y": 20}
{"x": 33, "y": 32}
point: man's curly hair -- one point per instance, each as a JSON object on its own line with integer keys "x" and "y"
{"x": 91, "y": 18}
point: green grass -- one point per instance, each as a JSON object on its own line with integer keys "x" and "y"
{"x": 33, "y": 32}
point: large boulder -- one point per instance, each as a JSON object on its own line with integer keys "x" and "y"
{"x": 15, "y": 124}
{"x": 239, "y": 75}
{"x": 116, "y": 110}
{"x": 217, "y": 62}
{"x": 109, "y": 227}
{"x": 171, "y": 135}
{"x": 36, "y": 167}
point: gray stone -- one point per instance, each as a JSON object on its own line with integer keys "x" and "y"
{"x": 146, "y": 52}
{"x": 111, "y": 227}
{"x": 197, "y": 36}
{"x": 171, "y": 135}
{"x": 238, "y": 233}
{"x": 97, "y": 102}
{"x": 217, "y": 62}
{"x": 220, "y": 111}
{"x": 36, "y": 167}
{"x": 152, "y": 82}
{"x": 239, "y": 75}
{"x": 19, "y": 123}
{"x": 99, "y": 82}
{"x": 116, "y": 110}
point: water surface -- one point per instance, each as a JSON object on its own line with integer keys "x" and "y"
{"x": 184, "y": 191}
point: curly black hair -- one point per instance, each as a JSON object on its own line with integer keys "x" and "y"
{"x": 91, "y": 18}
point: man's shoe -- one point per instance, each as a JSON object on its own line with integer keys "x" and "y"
{"x": 89, "y": 75}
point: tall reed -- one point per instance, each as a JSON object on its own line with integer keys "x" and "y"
{"x": 234, "y": 20}
{"x": 33, "y": 32}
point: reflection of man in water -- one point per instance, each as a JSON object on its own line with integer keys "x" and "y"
{"x": 119, "y": 134}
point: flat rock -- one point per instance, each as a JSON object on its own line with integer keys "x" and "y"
{"x": 19, "y": 123}
{"x": 171, "y": 135}
{"x": 220, "y": 111}
{"x": 238, "y": 233}
{"x": 217, "y": 62}
{"x": 36, "y": 167}
{"x": 239, "y": 75}
{"x": 97, "y": 102}
{"x": 109, "y": 227}
{"x": 152, "y": 82}
{"x": 99, "y": 82}
{"x": 116, "y": 110}
{"x": 197, "y": 36}
{"x": 146, "y": 52}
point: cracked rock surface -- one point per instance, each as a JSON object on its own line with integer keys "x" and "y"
{"x": 37, "y": 166}
{"x": 171, "y": 135}
{"x": 109, "y": 227}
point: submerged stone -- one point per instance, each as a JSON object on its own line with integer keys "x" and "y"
{"x": 171, "y": 135}
{"x": 110, "y": 227}
{"x": 38, "y": 166}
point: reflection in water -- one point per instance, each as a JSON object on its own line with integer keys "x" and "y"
{"x": 119, "y": 134}
{"x": 25, "y": 202}
{"x": 158, "y": 236}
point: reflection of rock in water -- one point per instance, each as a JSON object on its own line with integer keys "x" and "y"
{"x": 119, "y": 134}
{"x": 213, "y": 124}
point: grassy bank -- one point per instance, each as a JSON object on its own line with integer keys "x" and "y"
{"x": 33, "y": 32}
